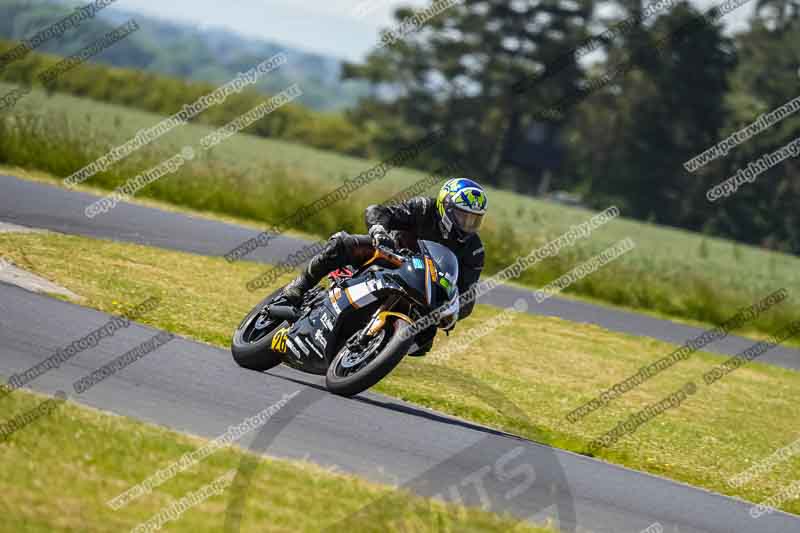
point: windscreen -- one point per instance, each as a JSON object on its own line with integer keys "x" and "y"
{"x": 445, "y": 262}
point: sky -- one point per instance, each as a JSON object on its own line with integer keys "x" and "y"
{"x": 346, "y": 29}
{"x": 339, "y": 28}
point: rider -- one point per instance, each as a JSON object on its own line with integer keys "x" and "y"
{"x": 452, "y": 219}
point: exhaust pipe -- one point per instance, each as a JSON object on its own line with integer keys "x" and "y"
{"x": 282, "y": 312}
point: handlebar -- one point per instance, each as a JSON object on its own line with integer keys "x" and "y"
{"x": 391, "y": 254}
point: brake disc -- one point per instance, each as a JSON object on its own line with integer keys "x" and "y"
{"x": 352, "y": 359}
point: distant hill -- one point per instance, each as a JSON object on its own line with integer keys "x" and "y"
{"x": 176, "y": 49}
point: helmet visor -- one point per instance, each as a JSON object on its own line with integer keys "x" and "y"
{"x": 466, "y": 221}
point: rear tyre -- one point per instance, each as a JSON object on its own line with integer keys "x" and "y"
{"x": 250, "y": 345}
{"x": 352, "y": 373}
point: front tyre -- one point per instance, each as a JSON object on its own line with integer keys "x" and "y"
{"x": 352, "y": 372}
{"x": 250, "y": 345}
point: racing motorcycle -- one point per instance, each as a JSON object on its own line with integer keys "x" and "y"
{"x": 359, "y": 328}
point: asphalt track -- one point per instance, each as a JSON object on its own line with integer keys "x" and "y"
{"x": 33, "y": 204}
{"x": 198, "y": 389}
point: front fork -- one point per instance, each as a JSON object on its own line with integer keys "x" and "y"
{"x": 378, "y": 320}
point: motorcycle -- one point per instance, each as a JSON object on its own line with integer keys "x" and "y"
{"x": 357, "y": 330}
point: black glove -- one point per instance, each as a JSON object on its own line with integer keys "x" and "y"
{"x": 381, "y": 237}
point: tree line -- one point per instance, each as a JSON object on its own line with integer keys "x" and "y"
{"x": 539, "y": 95}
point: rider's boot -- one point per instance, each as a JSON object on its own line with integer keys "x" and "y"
{"x": 311, "y": 275}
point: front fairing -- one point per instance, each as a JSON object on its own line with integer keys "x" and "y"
{"x": 312, "y": 341}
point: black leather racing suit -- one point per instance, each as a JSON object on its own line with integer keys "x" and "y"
{"x": 409, "y": 221}
{"x": 417, "y": 219}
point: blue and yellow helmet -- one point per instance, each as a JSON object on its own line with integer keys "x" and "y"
{"x": 461, "y": 205}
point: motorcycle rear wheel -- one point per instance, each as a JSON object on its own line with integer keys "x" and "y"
{"x": 250, "y": 346}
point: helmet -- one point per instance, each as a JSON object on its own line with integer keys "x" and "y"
{"x": 461, "y": 205}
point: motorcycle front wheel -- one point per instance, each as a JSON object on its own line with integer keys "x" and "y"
{"x": 354, "y": 371}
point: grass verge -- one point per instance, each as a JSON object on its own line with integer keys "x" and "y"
{"x": 59, "y": 472}
{"x": 545, "y": 366}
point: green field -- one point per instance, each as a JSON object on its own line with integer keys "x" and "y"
{"x": 60, "y": 470}
{"x": 671, "y": 272}
{"x": 540, "y": 367}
